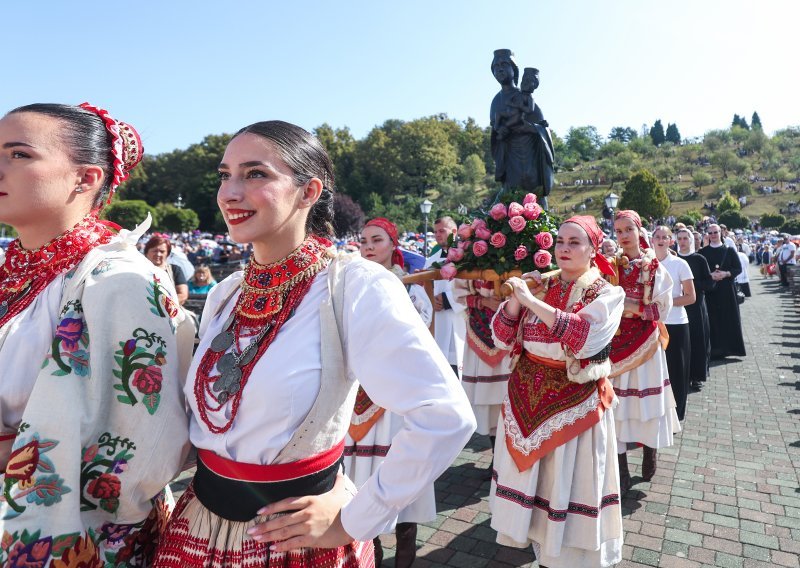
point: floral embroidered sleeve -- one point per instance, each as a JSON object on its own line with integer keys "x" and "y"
{"x": 504, "y": 328}
{"x": 105, "y": 427}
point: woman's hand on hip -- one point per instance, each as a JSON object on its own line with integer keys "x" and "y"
{"x": 311, "y": 521}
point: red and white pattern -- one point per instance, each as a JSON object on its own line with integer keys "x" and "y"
{"x": 197, "y": 538}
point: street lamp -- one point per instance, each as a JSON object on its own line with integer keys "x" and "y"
{"x": 425, "y": 207}
{"x": 611, "y": 201}
{"x": 179, "y": 202}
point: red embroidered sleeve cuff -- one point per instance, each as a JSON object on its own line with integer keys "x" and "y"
{"x": 473, "y": 300}
{"x": 650, "y": 312}
{"x": 571, "y": 330}
{"x": 505, "y": 327}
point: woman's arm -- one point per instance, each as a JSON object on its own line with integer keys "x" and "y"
{"x": 688, "y": 297}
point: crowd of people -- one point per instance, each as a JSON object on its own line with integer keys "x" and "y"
{"x": 316, "y": 406}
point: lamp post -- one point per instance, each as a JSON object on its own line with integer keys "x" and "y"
{"x": 425, "y": 207}
{"x": 611, "y": 201}
{"x": 179, "y": 202}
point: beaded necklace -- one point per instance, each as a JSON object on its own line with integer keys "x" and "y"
{"x": 270, "y": 295}
{"x": 25, "y": 273}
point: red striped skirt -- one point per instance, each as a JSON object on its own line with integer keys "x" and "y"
{"x": 197, "y": 538}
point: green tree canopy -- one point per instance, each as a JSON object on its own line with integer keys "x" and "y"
{"x": 645, "y": 195}
{"x": 772, "y": 220}
{"x": 701, "y": 179}
{"x": 734, "y": 219}
{"x": 583, "y": 142}
{"x": 727, "y": 202}
{"x": 623, "y": 134}
{"x": 755, "y": 122}
{"x": 128, "y": 213}
{"x": 657, "y": 133}
{"x": 176, "y": 220}
{"x": 673, "y": 135}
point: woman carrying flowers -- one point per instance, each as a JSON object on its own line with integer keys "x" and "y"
{"x": 556, "y": 484}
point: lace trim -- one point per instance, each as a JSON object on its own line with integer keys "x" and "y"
{"x": 548, "y": 428}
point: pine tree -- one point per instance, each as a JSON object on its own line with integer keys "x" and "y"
{"x": 657, "y": 133}
{"x": 755, "y": 122}
{"x": 673, "y": 135}
{"x": 736, "y": 119}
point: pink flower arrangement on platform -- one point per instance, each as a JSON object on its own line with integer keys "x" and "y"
{"x": 515, "y": 234}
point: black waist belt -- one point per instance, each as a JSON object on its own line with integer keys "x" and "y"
{"x": 236, "y": 500}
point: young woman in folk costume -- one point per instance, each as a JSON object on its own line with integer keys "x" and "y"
{"x": 283, "y": 347}
{"x": 556, "y": 483}
{"x": 646, "y": 414}
{"x": 486, "y": 366}
{"x": 91, "y": 405}
{"x": 371, "y": 428}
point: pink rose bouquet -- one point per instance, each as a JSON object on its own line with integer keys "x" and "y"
{"x": 544, "y": 240}
{"x": 448, "y": 270}
{"x": 514, "y": 209}
{"x": 521, "y": 253}
{"x": 517, "y": 223}
{"x": 498, "y": 240}
{"x": 542, "y": 259}
{"x": 480, "y": 248}
{"x": 498, "y": 212}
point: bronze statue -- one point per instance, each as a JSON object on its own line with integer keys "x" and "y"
{"x": 521, "y": 144}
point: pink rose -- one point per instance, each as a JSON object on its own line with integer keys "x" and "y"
{"x": 517, "y": 223}
{"x": 532, "y": 210}
{"x": 483, "y": 233}
{"x": 465, "y": 231}
{"x": 455, "y": 254}
{"x": 478, "y": 224}
{"x": 498, "y": 240}
{"x": 480, "y": 248}
{"x": 464, "y": 245}
{"x": 544, "y": 240}
{"x": 498, "y": 212}
{"x": 514, "y": 209}
{"x": 448, "y": 271}
{"x": 530, "y": 198}
{"x": 521, "y": 253}
{"x": 542, "y": 259}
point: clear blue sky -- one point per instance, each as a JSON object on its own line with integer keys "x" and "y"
{"x": 178, "y": 70}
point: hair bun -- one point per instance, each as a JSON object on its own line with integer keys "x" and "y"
{"x": 132, "y": 148}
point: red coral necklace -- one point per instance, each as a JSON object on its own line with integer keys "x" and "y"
{"x": 270, "y": 295}
{"x": 25, "y": 273}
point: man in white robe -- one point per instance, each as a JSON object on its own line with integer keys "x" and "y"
{"x": 450, "y": 325}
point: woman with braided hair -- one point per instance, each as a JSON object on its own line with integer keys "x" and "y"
{"x": 283, "y": 348}
{"x": 92, "y": 418}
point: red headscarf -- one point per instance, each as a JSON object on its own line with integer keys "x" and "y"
{"x": 589, "y": 225}
{"x": 391, "y": 230}
{"x": 634, "y": 216}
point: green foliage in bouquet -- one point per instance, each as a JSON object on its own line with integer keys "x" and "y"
{"x": 516, "y": 234}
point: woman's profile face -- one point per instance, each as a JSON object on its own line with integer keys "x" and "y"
{"x": 158, "y": 254}
{"x": 377, "y": 246}
{"x": 37, "y": 176}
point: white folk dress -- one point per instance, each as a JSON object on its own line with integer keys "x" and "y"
{"x": 486, "y": 366}
{"x": 646, "y": 413}
{"x": 450, "y": 328}
{"x": 92, "y": 384}
{"x": 387, "y": 348}
{"x": 567, "y": 504}
{"x": 363, "y": 457}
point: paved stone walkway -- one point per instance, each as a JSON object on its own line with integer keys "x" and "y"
{"x": 727, "y": 494}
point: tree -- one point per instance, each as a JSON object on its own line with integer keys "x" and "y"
{"x": 644, "y": 194}
{"x": 623, "y": 134}
{"x": 739, "y": 121}
{"x": 700, "y": 179}
{"x": 657, "y": 133}
{"x": 583, "y": 141}
{"x": 128, "y": 213}
{"x": 734, "y": 220}
{"x": 783, "y": 175}
{"x": 348, "y": 217}
{"x": 755, "y": 122}
{"x": 727, "y": 202}
{"x": 174, "y": 219}
{"x": 724, "y": 160}
{"x": 792, "y": 227}
{"x": 737, "y": 187}
{"x": 673, "y": 135}
{"x": 665, "y": 172}
{"x": 772, "y": 220}
{"x": 473, "y": 171}
{"x": 691, "y": 217}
